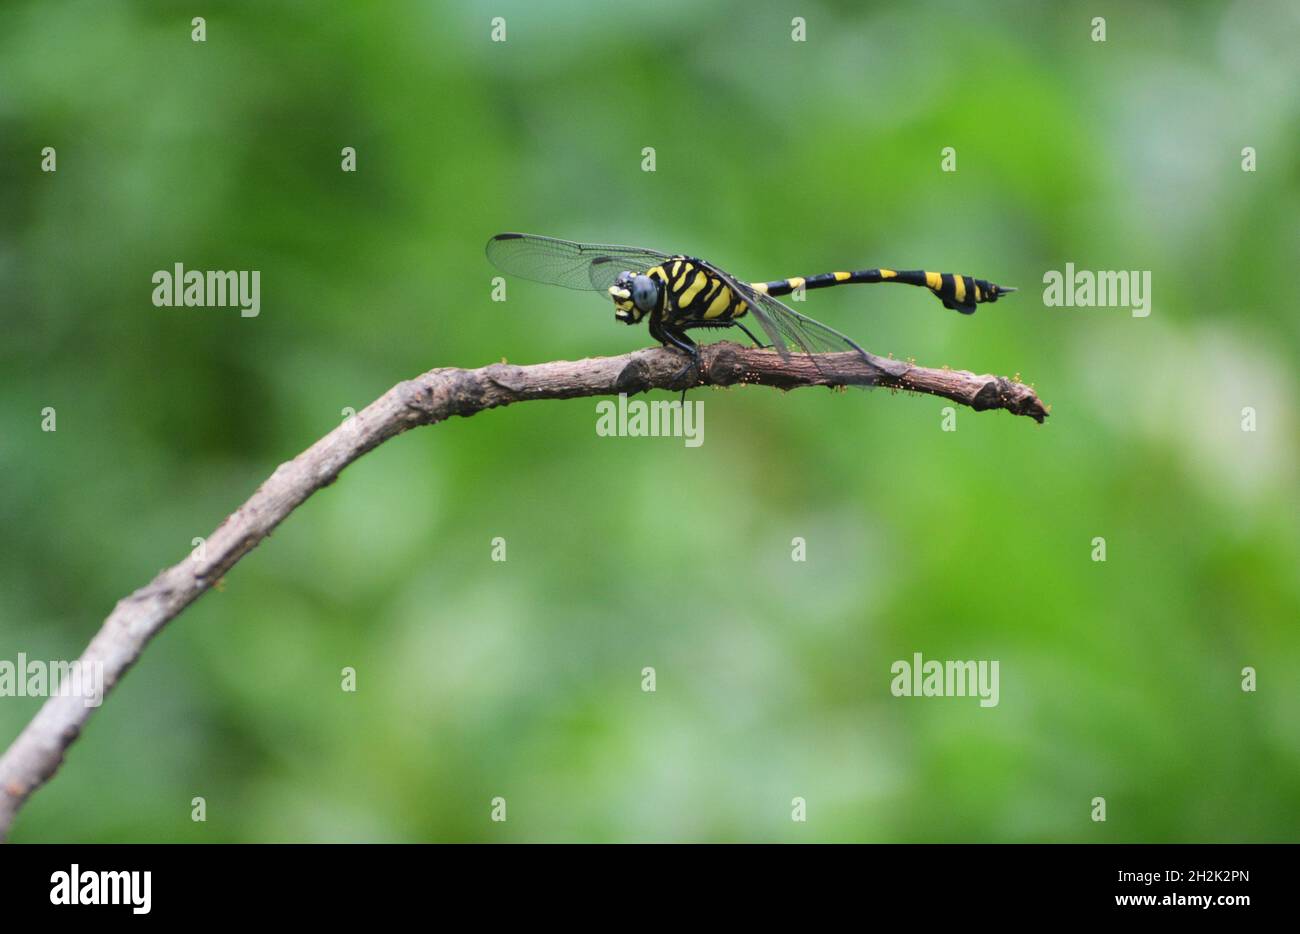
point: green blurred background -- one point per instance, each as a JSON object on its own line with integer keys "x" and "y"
{"x": 774, "y": 158}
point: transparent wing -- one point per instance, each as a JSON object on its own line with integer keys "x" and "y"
{"x": 788, "y": 330}
{"x": 586, "y": 266}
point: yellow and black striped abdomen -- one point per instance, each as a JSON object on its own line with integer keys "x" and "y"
{"x": 694, "y": 294}
{"x": 960, "y": 293}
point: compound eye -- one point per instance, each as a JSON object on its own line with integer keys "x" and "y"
{"x": 645, "y": 292}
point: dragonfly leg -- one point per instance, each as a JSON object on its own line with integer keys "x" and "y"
{"x": 670, "y": 336}
{"x": 757, "y": 343}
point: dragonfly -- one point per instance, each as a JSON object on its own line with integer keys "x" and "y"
{"x": 676, "y": 293}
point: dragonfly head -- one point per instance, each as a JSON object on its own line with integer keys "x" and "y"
{"x": 635, "y": 296}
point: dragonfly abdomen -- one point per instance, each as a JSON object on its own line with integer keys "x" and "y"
{"x": 960, "y": 293}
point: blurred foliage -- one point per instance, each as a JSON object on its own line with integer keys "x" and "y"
{"x": 774, "y": 158}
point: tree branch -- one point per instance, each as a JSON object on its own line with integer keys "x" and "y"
{"x": 38, "y": 751}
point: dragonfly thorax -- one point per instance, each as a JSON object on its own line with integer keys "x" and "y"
{"x": 635, "y": 296}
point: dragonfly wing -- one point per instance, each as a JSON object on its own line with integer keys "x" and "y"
{"x": 788, "y": 330}
{"x": 585, "y": 266}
